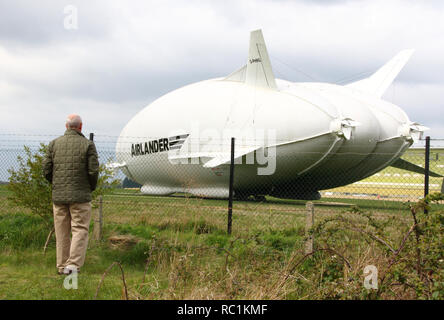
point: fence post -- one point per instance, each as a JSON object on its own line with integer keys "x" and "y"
{"x": 427, "y": 168}
{"x": 230, "y": 190}
{"x": 309, "y": 221}
{"x": 98, "y": 221}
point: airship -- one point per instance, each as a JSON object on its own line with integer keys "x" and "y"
{"x": 291, "y": 139}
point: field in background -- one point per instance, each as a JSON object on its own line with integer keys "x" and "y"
{"x": 385, "y": 192}
{"x": 396, "y": 184}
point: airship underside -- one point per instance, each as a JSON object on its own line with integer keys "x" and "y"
{"x": 291, "y": 139}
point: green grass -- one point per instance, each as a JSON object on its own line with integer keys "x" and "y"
{"x": 190, "y": 256}
{"x": 398, "y": 184}
{"x": 20, "y": 231}
{"x": 27, "y": 273}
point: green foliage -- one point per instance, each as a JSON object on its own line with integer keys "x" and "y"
{"x": 30, "y": 189}
{"x": 181, "y": 255}
{"x": 19, "y": 231}
{"x": 333, "y": 269}
{"x": 202, "y": 227}
{"x": 28, "y": 185}
{"x": 279, "y": 241}
{"x": 409, "y": 255}
{"x": 217, "y": 240}
{"x": 133, "y": 255}
{"x": 105, "y": 183}
{"x": 429, "y": 257}
{"x": 145, "y": 232}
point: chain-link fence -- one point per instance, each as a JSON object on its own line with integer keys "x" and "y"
{"x": 162, "y": 186}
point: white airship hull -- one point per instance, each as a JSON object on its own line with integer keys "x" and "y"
{"x": 323, "y": 136}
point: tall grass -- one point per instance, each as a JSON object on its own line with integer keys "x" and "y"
{"x": 185, "y": 253}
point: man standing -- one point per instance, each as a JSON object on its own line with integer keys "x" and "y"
{"x": 71, "y": 166}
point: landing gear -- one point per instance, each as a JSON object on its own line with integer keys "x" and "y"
{"x": 241, "y": 196}
{"x": 247, "y": 197}
{"x": 259, "y": 198}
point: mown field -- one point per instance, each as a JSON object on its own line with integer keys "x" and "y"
{"x": 397, "y": 184}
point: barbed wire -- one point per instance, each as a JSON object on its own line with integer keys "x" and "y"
{"x": 206, "y": 136}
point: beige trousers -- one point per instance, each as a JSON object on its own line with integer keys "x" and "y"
{"x": 71, "y": 218}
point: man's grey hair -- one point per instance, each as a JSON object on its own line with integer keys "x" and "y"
{"x": 73, "y": 122}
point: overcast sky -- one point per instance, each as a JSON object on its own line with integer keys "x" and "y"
{"x": 125, "y": 54}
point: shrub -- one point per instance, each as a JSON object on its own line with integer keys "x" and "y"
{"x": 31, "y": 190}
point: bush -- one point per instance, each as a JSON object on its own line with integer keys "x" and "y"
{"x": 409, "y": 256}
{"x": 31, "y": 190}
{"x": 28, "y": 185}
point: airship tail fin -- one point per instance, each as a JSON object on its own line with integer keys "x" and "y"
{"x": 379, "y": 82}
{"x": 259, "y": 72}
{"x": 404, "y": 164}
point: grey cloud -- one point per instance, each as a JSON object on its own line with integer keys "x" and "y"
{"x": 126, "y": 54}
{"x": 39, "y": 23}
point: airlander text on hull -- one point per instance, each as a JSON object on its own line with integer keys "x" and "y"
{"x": 158, "y": 145}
